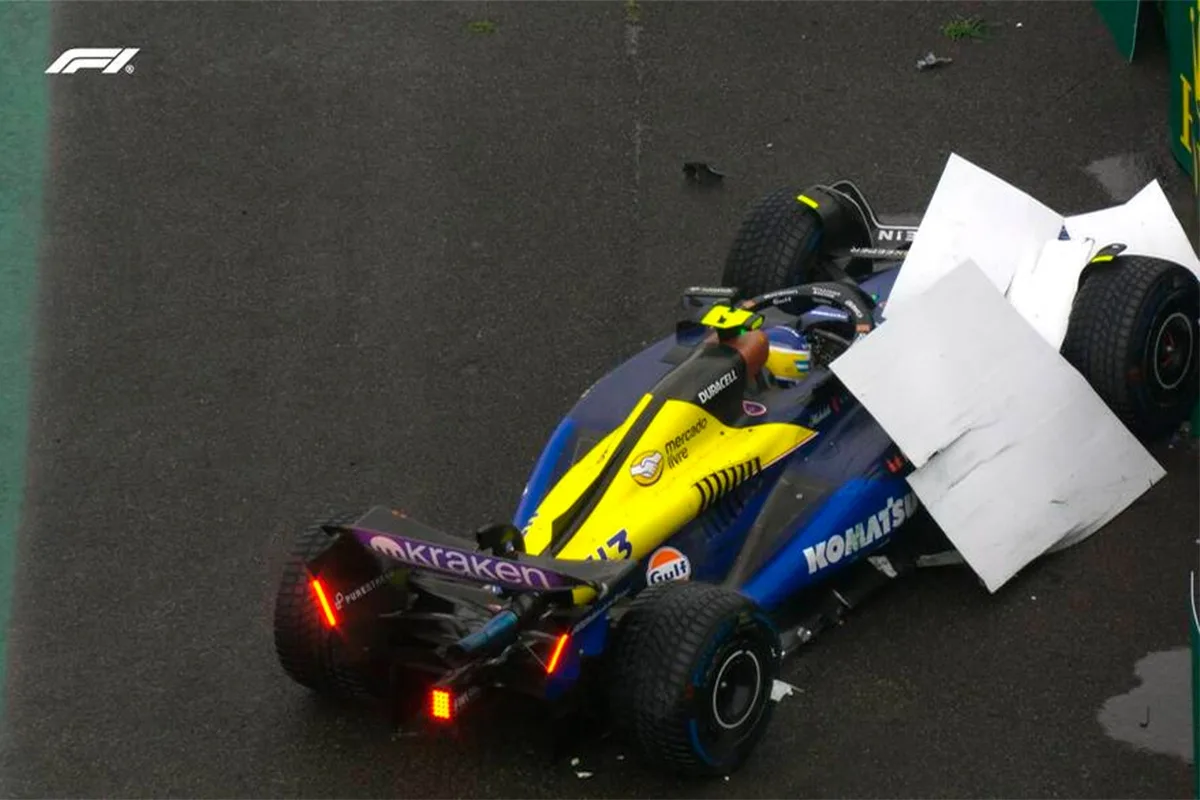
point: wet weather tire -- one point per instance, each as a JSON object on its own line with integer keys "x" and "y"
{"x": 1133, "y": 335}
{"x": 693, "y": 669}
{"x": 309, "y": 652}
{"x": 778, "y": 245}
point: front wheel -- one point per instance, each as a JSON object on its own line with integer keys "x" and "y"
{"x": 694, "y": 665}
{"x": 777, "y": 245}
{"x": 783, "y": 242}
{"x": 1133, "y": 335}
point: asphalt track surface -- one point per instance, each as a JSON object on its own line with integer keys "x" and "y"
{"x": 327, "y": 255}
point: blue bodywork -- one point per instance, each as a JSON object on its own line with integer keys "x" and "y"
{"x": 851, "y": 480}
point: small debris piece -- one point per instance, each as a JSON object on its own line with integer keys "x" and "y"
{"x": 930, "y": 61}
{"x": 583, "y": 774}
{"x": 882, "y": 564}
{"x": 574, "y": 762}
{"x": 701, "y": 172}
{"x": 946, "y": 558}
{"x": 620, "y": 757}
{"x": 780, "y": 690}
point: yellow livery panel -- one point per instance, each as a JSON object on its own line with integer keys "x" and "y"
{"x": 685, "y": 460}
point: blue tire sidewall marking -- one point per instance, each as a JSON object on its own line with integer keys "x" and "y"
{"x": 721, "y": 637}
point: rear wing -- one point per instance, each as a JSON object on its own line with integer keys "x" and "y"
{"x": 413, "y": 544}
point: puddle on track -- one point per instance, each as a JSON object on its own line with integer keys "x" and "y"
{"x": 1155, "y": 716}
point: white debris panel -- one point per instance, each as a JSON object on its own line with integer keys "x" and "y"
{"x": 1146, "y": 224}
{"x": 1044, "y": 291}
{"x": 975, "y": 216}
{"x": 1015, "y": 453}
{"x": 1015, "y": 240}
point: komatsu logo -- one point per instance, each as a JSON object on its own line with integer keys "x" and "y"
{"x": 467, "y": 565}
{"x": 877, "y": 526}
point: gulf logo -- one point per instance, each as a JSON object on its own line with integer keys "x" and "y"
{"x": 646, "y": 468}
{"x": 668, "y": 564}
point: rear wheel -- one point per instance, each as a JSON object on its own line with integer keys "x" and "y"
{"x": 1133, "y": 335}
{"x": 694, "y": 665}
{"x": 308, "y": 650}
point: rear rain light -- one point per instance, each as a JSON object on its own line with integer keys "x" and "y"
{"x": 440, "y": 706}
{"x": 327, "y": 609}
{"x": 556, "y": 653}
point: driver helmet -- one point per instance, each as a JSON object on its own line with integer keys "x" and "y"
{"x": 789, "y": 358}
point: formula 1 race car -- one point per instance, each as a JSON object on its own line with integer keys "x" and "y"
{"x": 705, "y": 509}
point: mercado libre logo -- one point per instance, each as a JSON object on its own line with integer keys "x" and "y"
{"x": 646, "y": 468}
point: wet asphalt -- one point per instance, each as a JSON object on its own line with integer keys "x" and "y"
{"x": 311, "y": 256}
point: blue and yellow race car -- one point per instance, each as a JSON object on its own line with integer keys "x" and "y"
{"x": 704, "y": 509}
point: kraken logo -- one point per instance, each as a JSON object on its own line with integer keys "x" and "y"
{"x": 385, "y": 545}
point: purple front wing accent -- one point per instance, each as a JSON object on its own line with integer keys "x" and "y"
{"x": 451, "y": 561}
